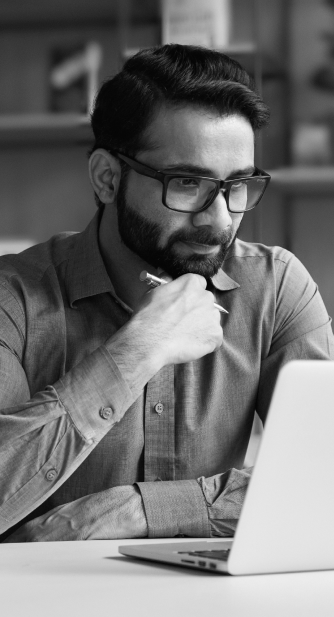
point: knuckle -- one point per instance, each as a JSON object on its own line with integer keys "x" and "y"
{"x": 201, "y": 280}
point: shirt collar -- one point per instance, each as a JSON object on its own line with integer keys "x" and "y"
{"x": 223, "y": 282}
{"x": 86, "y": 273}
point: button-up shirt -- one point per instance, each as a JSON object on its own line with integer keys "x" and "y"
{"x": 69, "y": 424}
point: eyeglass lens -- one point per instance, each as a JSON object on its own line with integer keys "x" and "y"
{"x": 192, "y": 194}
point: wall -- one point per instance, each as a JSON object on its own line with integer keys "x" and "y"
{"x": 44, "y": 185}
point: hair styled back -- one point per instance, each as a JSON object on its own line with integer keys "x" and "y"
{"x": 176, "y": 76}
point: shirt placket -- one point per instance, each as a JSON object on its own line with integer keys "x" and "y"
{"x": 159, "y": 457}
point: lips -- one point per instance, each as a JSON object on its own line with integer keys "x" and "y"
{"x": 200, "y": 248}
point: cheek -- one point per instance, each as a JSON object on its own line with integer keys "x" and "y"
{"x": 145, "y": 197}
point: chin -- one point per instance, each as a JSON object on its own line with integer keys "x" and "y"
{"x": 204, "y": 267}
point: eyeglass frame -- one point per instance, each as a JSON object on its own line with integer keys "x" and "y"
{"x": 165, "y": 178}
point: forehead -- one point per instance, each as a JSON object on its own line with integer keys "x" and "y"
{"x": 195, "y": 136}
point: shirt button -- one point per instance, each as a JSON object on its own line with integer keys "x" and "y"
{"x": 106, "y": 413}
{"x": 51, "y": 475}
{"x": 159, "y": 408}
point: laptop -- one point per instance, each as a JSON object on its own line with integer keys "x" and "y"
{"x": 287, "y": 520}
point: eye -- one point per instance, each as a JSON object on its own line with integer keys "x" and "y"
{"x": 184, "y": 182}
{"x": 237, "y": 186}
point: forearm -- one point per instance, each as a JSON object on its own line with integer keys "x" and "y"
{"x": 112, "y": 514}
{"x": 207, "y": 507}
{"x": 136, "y": 354}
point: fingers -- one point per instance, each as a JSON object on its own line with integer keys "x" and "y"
{"x": 188, "y": 284}
{"x": 191, "y": 279}
{"x": 166, "y": 277}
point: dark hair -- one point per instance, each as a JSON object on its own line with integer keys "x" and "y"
{"x": 174, "y": 75}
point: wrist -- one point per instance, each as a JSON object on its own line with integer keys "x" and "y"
{"x": 137, "y": 357}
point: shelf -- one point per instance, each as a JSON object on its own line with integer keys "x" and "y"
{"x": 28, "y": 129}
{"x": 297, "y": 180}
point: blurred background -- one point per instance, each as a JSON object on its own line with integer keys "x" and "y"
{"x": 54, "y": 55}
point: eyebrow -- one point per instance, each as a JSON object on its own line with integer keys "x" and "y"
{"x": 205, "y": 171}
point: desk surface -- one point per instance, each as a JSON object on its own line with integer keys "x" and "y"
{"x": 81, "y": 579}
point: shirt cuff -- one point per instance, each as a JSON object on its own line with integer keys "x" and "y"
{"x": 224, "y": 495}
{"x": 175, "y": 508}
{"x": 94, "y": 394}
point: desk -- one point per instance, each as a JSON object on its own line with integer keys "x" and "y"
{"x": 81, "y": 579}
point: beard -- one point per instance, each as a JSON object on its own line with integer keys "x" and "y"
{"x": 142, "y": 237}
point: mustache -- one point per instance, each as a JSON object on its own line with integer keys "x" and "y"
{"x": 202, "y": 236}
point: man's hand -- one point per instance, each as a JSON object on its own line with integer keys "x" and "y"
{"x": 174, "y": 323}
{"x": 110, "y": 515}
{"x": 180, "y": 320}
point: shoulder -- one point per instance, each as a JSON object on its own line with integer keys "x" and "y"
{"x": 279, "y": 293}
{"x": 256, "y": 250}
{"x": 35, "y": 272}
{"x": 259, "y": 260}
{"x": 36, "y": 260}
{"x": 269, "y": 276}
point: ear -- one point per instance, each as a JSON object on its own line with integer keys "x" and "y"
{"x": 104, "y": 174}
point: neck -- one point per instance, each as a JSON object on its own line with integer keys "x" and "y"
{"x": 123, "y": 266}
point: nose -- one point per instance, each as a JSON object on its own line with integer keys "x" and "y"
{"x": 216, "y": 215}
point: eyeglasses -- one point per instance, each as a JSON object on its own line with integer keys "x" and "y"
{"x": 187, "y": 193}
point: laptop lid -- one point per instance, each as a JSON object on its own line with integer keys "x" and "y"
{"x": 291, "y": 494}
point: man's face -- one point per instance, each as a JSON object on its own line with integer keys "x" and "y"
{"x": 195, "y": 142}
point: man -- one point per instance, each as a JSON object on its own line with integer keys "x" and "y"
{"x": 125, "y": 411}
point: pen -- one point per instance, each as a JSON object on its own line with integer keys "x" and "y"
{"x": 154, "y": 281}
